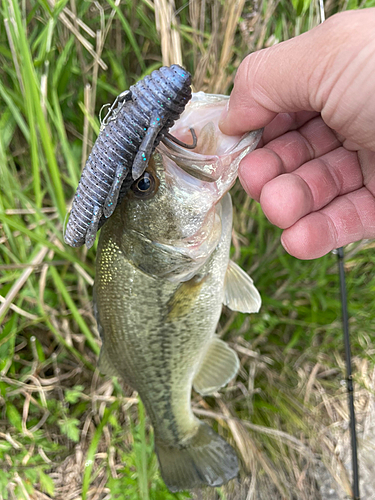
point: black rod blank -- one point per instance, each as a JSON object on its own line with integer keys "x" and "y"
{"x": 349, "y": 377}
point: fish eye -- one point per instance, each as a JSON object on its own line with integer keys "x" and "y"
{"x": 144, "y": 186}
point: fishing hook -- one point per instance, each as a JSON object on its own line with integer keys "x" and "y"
{"x": 181, "y": 143}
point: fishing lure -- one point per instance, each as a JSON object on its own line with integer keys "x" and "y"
{"x": 133, "y": 127}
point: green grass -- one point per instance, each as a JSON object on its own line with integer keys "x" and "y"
{"x": 59, "y": 418}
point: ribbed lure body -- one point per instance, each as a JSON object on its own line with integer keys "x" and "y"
{"x": 128, "y": 137}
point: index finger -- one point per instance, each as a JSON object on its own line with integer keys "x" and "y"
{"x": 300, "y": 73}
{"x": 285, "y": 122}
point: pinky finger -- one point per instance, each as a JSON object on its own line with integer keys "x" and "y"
{"x": 347, "y": 219}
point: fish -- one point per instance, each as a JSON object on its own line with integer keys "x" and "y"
{"x": 163, "y": 273}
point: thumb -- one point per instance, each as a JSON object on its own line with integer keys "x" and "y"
{"x": 295, "y": 75}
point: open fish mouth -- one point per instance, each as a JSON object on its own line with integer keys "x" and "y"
{"x": 213, "y": 157}
{"x": 198, "y": 179}
{"x": 216, "y": 156}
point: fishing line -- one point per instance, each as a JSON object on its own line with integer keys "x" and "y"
{"x": 349, "y": 377}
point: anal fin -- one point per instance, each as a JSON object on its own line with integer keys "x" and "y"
{"x": 218, "y": 367}
{"x": 240, "y": 292}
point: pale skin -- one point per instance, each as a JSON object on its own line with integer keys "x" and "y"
{"x": 314, "y": 172}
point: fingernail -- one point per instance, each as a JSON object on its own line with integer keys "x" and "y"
{"x": 242, "y": 179}
{"x": 284, "y": 244}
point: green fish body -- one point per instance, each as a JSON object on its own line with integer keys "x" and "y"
{"x": 162, "y": 275}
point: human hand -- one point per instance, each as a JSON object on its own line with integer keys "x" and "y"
{"x": 314, "y": 173}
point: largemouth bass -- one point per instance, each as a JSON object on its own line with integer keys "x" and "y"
{"x": 162, "y": 275}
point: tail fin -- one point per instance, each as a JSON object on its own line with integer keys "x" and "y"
{"x": 207, "y": 459}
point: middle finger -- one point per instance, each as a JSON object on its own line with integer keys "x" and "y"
{"x": 285, "y": 154}
{"x": 311, "y": 187}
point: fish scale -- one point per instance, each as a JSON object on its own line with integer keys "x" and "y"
{"x": 156, "y": 345}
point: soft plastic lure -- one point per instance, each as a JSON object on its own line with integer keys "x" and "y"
{"x": 135, "y": 124}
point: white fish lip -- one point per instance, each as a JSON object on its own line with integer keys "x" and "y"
{"x": 216, "y": 155}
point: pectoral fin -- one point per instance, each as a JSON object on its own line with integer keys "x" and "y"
{"x": 240, "y": 292}
{"x": 218, "y": 367}
{"x": 184, "y": 298}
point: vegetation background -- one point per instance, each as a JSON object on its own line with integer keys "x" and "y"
{"x": 68, "y": 433}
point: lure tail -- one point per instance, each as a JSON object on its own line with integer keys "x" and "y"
{"x": 207, "y": 459}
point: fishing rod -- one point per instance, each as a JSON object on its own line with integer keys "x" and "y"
{"x": 348, "y": 356}
{"x": 349, "y": 377}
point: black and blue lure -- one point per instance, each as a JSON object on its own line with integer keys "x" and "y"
{"x": 134, "y": 125}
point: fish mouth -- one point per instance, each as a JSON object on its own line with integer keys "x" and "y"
{"x": 216, "y": 155}
{"x": 201, "y": 177}
{"x": 192, "y": 184}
